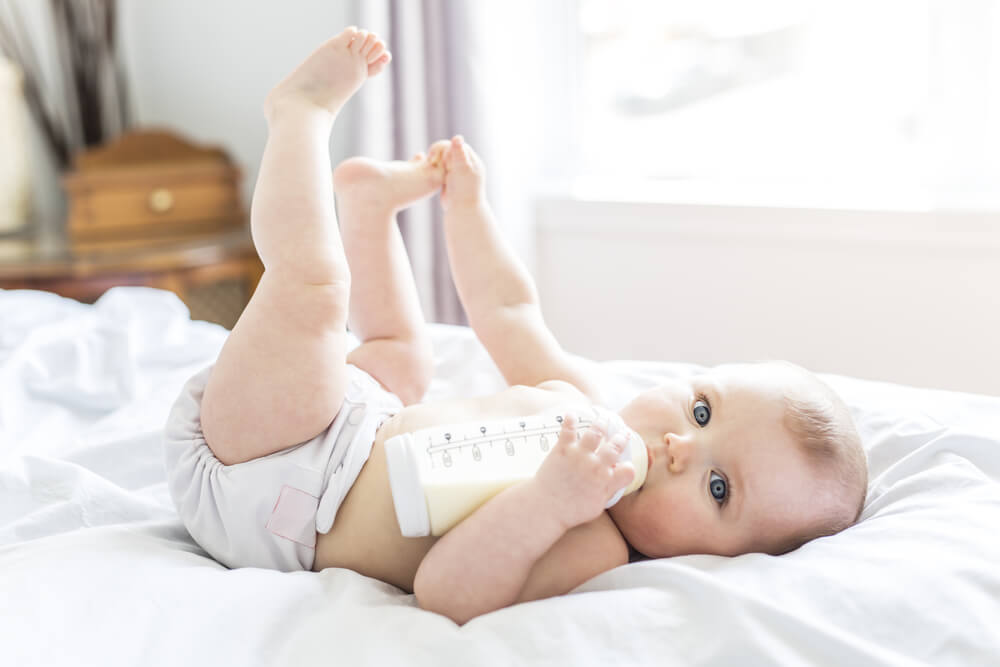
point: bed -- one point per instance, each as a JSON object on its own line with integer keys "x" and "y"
{"x": 96, "y": 568}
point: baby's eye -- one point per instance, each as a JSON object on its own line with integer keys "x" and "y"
{"x": 718, "y": 487}
{"x": 702, "y": 412}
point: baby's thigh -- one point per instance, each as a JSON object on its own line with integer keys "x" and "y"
{"x": 281, "y": 375}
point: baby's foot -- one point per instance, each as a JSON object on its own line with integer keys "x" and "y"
{"x": 465, "y": 176}
{"x": 388, "y": 186}
{"x": 437, "y": 152}
{"x": 332, "y": 73}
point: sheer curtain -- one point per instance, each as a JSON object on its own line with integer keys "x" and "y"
{"x": 963, "y": 103}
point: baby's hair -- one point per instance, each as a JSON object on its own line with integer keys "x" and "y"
{"x": 821, "y": 422}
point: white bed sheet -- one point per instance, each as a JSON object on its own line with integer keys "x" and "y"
{"x": 96, "y": 569}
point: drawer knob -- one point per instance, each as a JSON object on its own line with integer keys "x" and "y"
{"x": 161, "y": 200}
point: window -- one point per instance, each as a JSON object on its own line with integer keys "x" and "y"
{"x": 834, "y": 102}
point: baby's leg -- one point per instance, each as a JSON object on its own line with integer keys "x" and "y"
{"x": 280, "y": 376}
{"x": 385, "y": 309}
{"x": 496, "y": 289}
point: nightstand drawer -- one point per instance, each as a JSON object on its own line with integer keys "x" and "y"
{"x": 123, "y": 211}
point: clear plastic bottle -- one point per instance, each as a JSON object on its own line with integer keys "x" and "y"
{"x": 440, "y": 475}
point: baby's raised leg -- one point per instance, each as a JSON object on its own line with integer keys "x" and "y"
{"x": 385, "y": 309}
{"x": 496, "y": 289}
{"x": 279, "y": 379}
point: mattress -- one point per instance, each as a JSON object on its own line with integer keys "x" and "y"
{"x": 96, "y": 568}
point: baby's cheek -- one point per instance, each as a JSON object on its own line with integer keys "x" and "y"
{"x": 667, "y": 515}
{"x": 691, "y": 527}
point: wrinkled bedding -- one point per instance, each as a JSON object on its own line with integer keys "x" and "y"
{"x": 96, "y": 568}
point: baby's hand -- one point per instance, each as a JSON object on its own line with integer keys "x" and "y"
{"x": 465, "y": 175}
{"x": 582, "y": 473}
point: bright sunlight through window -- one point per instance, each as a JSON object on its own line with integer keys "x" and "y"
{"x": 891, "y": 100}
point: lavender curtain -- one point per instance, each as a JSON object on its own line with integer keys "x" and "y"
{"x": 430, "y": 95}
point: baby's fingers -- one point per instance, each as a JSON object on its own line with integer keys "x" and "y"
{"x": 568, "y": 434}
{"x": 612, "y": 448}
{"x": 590, "y": 440}
{"x": 622, "y": 476}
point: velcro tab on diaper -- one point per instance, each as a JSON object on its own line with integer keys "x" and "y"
{"x": 294, "y": 517}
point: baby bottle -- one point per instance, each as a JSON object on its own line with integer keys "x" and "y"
{"x": 440, "y": 475}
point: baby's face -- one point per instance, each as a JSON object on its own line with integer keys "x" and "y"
{"x": 726, "y": 476}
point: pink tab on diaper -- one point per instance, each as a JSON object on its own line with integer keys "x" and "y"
{"x": 294, "y": 517}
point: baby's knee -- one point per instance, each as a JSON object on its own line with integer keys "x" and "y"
{"x": 418, "y": 373}
{"x": 403, "y": 365}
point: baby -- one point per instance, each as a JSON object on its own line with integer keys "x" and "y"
{"x": 275, "y": 454}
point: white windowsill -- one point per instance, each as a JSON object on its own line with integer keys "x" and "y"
{"x": 903, "y": 295}
{"x": 732, "y": 217}
{"x": 796, "y": 196}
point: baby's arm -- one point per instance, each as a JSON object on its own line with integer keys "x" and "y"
{"x": 496, "y": 289}
{"x": 485, "y": 562}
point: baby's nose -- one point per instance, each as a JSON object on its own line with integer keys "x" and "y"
{"x": 679, "y": 451}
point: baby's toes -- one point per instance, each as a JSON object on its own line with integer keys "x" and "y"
{"x": 472, "y": 158}
{"x": 360, "y": 39}
{"x": 366, "y": 47}
{"x": 347, "y": 36}
{"x": 456, "y": 156}
{"x": 376, "y": 51}
{"x": 379, "y": 65}
{"x": 435, "y": 154}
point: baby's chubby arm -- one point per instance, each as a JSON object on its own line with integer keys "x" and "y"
{"x": 483, "y": 563}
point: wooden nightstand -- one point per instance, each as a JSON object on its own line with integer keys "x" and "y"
{"x": 214, "y": 275}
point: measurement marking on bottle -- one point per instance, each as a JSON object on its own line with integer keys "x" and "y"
{"x": 484, "y": 438}
{"x": 452, "y": 445}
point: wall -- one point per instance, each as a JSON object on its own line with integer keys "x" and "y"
{"x": 201, "y": 69}
{"x": 204, "y": 68}
{"x": 908, "y": 297}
